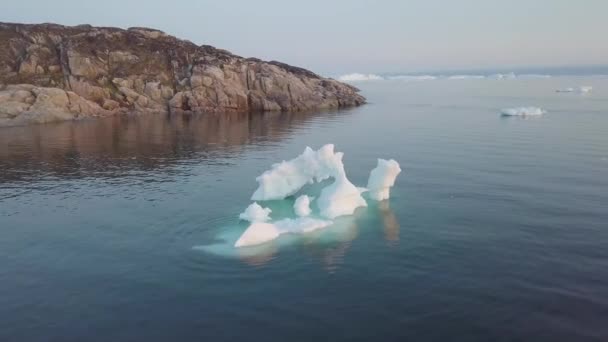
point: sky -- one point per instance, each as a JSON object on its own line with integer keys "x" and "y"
{"x": 340, "y": 36}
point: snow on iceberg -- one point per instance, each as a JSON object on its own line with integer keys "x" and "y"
{"x": 523, "y": 111}
{"x": 302, "y": 206}
{"x": 260, "y": 232}
{"x": 356, "y": 77}
{"x": 255, "y": 213}
{"x": 382, "y": 178}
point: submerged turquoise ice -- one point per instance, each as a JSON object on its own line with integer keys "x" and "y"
{"x": 496, "y": 229}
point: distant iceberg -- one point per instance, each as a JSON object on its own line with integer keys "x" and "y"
{"x": 585, "y": 89}
{"x": 340, "y": 198}
{"x": 466, "y": 77}
{"x": 523, "y": 111}
{"x": 413, "y": 77}
{"x": 510, "y": 75}
{"x": 581, "y": 90}
{"x": 356, "y": 77}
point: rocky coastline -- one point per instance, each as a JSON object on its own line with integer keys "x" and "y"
{"x": 50, "y": 72}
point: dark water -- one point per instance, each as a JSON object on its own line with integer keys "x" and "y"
{"x": 497, "y": 230}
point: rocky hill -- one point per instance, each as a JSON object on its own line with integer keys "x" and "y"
{"x": 51, "y": 72}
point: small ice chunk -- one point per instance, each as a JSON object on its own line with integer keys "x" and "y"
{"x": 261, "y": 232}
{"x": 565, "y": 90}
{"x": 255, "y": 213}
{"x": 522, "y": 111}
{"x": 585, "y": 89}
{"x": 302, "y": 206}
{"x": 382, "y": 178}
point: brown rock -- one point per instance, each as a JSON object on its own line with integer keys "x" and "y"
{"x": 53, "y": 72}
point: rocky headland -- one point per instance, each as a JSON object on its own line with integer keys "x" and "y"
{"x": 50, "y": 72}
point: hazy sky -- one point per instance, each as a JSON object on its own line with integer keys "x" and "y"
{"x": 337, "y": 36}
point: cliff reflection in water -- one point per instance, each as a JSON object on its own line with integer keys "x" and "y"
{"x": 110, "y": 147}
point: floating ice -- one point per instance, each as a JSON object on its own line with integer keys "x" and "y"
{"x": 581, "y": 89}
{"x": 302, "y": 206}
{"x": 356, "y": 77}
{"x": 287, "y": 178}
{"x": 261, "y": 232}
{"x": 466, "y": 77}
{"x": 255, "y": 213}
{"x": 413, "y": 77}
{"x": 522, "y": 111}
{"x": 382, "y": 178}
{"x": 510, "y": 75}
{"x": 565, "y": 90}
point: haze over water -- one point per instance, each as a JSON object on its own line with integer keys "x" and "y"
{"x": 119, "y": 229}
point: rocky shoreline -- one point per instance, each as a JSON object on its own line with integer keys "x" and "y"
{"x": 50, "y": 72}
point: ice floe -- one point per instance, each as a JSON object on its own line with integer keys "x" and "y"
{"x": 356, "y": 77}
{"x": 523, "y": 111}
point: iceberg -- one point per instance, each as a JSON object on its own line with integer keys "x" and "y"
{"x": 356, "y": 77}
{"x": 287, "y": 178}
{"x": 523, "y": 111}
{"x": 255, "y": 213}
{"x": 382, "y": 178}
{"x": 413, "y": 77}
{"x": 466, "y": 77}
{"x": 565, "y": 90}
{"x": 581, "y": 89}
{"x": 302, "y": 206}
{"x": 260, "y": 232}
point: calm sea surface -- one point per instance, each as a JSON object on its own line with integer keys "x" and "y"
{"x": 497, "y": 230}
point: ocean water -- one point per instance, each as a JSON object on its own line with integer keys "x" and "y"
{"x": 120, "y": 229}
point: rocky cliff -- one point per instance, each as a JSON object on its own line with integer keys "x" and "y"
{"x": 51, "y": 72}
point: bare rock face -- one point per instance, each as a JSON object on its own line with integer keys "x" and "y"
{"x": 50, "y": 72}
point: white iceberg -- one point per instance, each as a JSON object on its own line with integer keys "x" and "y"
{"x": 255, "y": 213}
{"x": 510, "y": 75}
{"x": 382, "y": 178}
{"x": 356, "y": 77}
{"x": 565, "y": 90}
{"x": 523, "y": 111}
{"x": 302, "y": 206}
{"x": 581, "y": 89}
{"x": 585, "y": 89}
{"x": 260, "y": 232}
{"x": 466, "y": 77}
{"x": 413, "y": 77}
{"x": 287, "y": 178}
